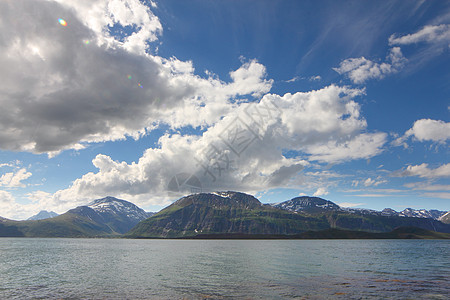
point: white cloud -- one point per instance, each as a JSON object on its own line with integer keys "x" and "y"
{"x": 428, "y": 34}
{"x": 373, "y": 182}
{"x": 365, "y": 145}
{"x": 304, "y": 122}
{"x": 426, "y": 130}
{"x": 430, "y": 130}
{"x": 10, "y": 209}
{"x": 14, "y": 179}
{"x": 424, "y": 171}
{"x": 315, "y": 116}
{"x": 315, "y": 78}
{"x": 7, "y": 204}
{"x": 320, "y": 192}
{"x": 294, "y": 79}
{"x": 361, "y": 69}
{"x": 100, "y": 15}
{"x": 349, "y": 204}
{"x": 105, "y": 90}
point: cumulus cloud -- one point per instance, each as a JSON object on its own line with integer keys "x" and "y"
{"x": 361, "y": 69}
{"x": 424, "y": 171}
{"x": 373, "y": 182}
{"x": 14, "y": 179}
{"x": 64, "y": 86}
{"x": 10, "y": 209}
{"x": 428, "y": 34}
{"x": 426, "y": 130}
{"x": 7, "y": 204}
{"x": 430, "y": 130}
{"x": 102, "y": 15}
{"x": 365, "y": 145}
{"x": 242, "y": 151}
{"x": 320, "y": 192}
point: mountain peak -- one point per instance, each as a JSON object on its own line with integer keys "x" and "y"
{"x": 118, "y": 206}
{"x": 42, "y": 215}
{"x": 119, "y": 215}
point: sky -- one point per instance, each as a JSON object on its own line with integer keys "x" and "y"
{"x": 148, "y": 101}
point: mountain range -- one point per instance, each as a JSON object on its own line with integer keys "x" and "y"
{"x": 103, "y": 217}
{"x": 231, "y": 214}
{"x": 238, "y": 213}
{"x": 315, "y": 204}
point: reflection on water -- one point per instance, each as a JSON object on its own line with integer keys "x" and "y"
{"x": 200, "y": 269}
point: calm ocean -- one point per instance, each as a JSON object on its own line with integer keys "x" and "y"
{"x": 216, "y": 269}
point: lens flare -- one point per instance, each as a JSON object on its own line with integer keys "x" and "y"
{"x": 140, "y": 85}
{"x": 62, "y": 22}
{"x": 86, "y": 42}
{"x": 129, "y": 77}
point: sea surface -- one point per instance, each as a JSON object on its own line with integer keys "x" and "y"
{"x": 36, "y": 268}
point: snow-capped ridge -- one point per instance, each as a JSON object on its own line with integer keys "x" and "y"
{"x": 118, "y": 206}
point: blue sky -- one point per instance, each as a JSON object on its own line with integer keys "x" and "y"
{"x": 348, "y": 100}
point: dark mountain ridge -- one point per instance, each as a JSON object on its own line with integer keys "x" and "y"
{"x": 238, "y": 213}
{"x": 223, "y": 212}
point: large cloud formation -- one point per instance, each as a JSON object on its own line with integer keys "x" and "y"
{"x": 243, "y": 151}
{"x": 64, "y": 87}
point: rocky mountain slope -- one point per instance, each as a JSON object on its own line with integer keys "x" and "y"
{"x": 223, "y": 212}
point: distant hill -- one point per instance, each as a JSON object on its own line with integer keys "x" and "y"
{"x": 43, "y": 214}
{"x": 223, "y": 212}
{"x": 104, "y": 217}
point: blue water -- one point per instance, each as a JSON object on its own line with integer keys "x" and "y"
{"x": 216, "y": 269}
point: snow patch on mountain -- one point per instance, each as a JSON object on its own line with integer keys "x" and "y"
{"x": 119, "y": 207}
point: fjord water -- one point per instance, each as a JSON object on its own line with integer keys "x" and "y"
{"x": 198, "y": 269}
